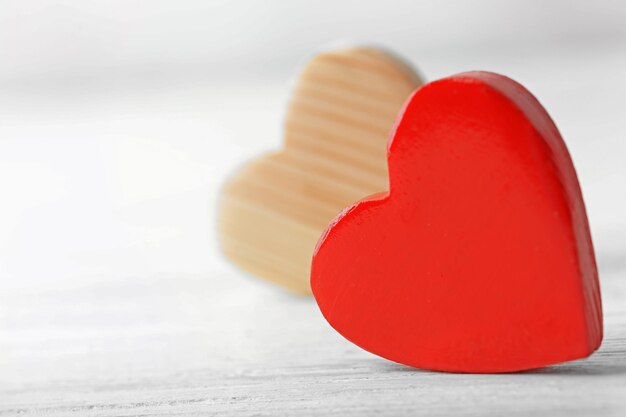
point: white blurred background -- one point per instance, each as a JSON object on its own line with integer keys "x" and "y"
{"x": 119, "y": 119}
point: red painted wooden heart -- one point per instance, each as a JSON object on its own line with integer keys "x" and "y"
{"x": 479, "y": 259}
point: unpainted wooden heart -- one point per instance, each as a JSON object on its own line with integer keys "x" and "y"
{"x": 273, "y": 210}
{"x": 479, "y": 258}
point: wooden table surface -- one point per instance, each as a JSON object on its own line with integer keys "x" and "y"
{"x": 114, "y": 300}
{"x": 217, "y": 343}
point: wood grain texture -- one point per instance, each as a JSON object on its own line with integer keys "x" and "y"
{"x": 221, "y": 344}
{"x": 275, "y": 208}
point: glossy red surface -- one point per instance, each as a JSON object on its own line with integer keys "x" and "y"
{"x": 479, "y": 259}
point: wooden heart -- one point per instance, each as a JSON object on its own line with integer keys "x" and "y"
{"x": 273, "y": 210}
{"x": 479, "y": 258}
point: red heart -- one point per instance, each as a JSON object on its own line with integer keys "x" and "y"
{"x": 479, "y": 259}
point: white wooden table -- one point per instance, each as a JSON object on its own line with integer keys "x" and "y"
{"x": 114, "y": 300}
